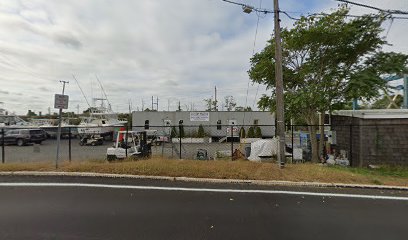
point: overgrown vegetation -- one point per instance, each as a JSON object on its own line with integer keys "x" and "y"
{"x": 328, "y": 61}
{"x": 229, "y": 170}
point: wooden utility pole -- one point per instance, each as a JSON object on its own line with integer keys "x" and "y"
{"x": 280, "y": 117}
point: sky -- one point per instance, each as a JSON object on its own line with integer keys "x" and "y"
{"x": 176, "y": 51}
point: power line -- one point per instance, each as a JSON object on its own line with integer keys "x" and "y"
{"x": 293, "y": 18}
{"x": 390, "y": 11}
{"x": 326, "y": 14}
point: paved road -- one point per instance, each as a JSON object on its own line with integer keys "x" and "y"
{"x": 91, "y": 212}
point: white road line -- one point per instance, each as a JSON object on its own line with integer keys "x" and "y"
{"x": 218, "y": 190}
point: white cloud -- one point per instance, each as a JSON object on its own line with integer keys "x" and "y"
{"x": 176, "y": 50}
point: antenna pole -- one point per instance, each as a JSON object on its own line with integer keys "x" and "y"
{"x": 104, "y": 93}
{"x": 83, "y": 94}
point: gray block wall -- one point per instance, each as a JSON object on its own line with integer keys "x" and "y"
{"x": 373, "y": 141}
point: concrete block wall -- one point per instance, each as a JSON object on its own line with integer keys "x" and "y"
{"x": 374, "y": 141}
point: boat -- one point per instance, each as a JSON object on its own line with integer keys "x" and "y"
{"x": 11, "y": 120}
{"x": 51, "y": 127}
{"x": 101, "y": 120}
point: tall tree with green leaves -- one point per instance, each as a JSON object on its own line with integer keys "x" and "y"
{"x": 328, "y": 60}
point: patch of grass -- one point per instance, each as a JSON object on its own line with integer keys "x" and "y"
{"x": 225, "y": 170}
{"x": 390, "y": 171}
{"x": 377, "y": 182}
{"x": 13, "y": 167}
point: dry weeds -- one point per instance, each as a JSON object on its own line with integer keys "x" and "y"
{"x": 216, "y": 169}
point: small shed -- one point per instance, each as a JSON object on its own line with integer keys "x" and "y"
{"x": 372, "y": 136}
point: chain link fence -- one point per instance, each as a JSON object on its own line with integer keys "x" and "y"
{"x": 358, "y": 144}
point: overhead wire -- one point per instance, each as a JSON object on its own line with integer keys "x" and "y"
{"x": 391, "y": 11}
{"x": 253, "y": 52}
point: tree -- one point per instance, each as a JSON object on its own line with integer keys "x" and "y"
{"x": 31, "y": 114}
{"x": 258, "y": 132}
{"x": 211, "y": 105}
{"x": 328, "y": 60}
{"x": 384, "y": 102}
{"x": 242, "y": 109}
{"x": 201, "y": 132}
{"x": 251, "y": 132}
{"x": 229, "y": 103}
{"x": 242, "y": 132}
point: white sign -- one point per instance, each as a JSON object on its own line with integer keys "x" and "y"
{"x": 61, "y": 101}
{"x": 199, "y": 116}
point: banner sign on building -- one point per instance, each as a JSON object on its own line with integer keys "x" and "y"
{"x": 199, "y": 116}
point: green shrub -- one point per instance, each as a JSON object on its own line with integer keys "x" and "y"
{"x": 242, "y": 132}
{"x": 258, "y": 132}
{"x": 201, "y": 132}
{"x": 251, "y": 133}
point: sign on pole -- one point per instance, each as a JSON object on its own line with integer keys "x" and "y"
{"x": 61, "y": 101}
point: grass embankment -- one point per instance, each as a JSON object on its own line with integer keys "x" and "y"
{"x": 229, "y": 170}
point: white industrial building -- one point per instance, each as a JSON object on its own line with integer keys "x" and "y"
{"x": 217, "y": 124}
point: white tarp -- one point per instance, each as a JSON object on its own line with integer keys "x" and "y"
{"x": 263, "y": 148}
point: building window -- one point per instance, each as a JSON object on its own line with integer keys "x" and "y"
{"x": 256, "y": 121}
{"x": 219, "y": 125}
{"x": 146, "y": 124}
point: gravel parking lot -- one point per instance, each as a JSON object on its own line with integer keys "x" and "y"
{"x": 47, "y": 151}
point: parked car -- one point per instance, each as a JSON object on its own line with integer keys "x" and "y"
{"x": 22, "y": 137}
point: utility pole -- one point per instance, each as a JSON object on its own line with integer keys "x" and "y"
{"x": 59, "y": 126}
{"x": 280, "y": 117}
{"x": 405, "y": 97}
{"x": 168, "y": 104}
{"x": 152, "y": 104}
{"x": 215, "y": 102}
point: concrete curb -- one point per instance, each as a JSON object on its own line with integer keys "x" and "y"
{"x": 205, "y": 180}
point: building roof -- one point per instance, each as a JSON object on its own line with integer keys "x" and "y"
{"x": 374, "y": 113}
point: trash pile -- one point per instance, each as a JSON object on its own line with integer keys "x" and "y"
{"x": 338, "y": 159}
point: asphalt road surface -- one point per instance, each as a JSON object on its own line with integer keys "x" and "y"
{"x": 146, "y": 209}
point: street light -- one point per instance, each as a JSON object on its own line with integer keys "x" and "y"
{"x": 247, "y": 9}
